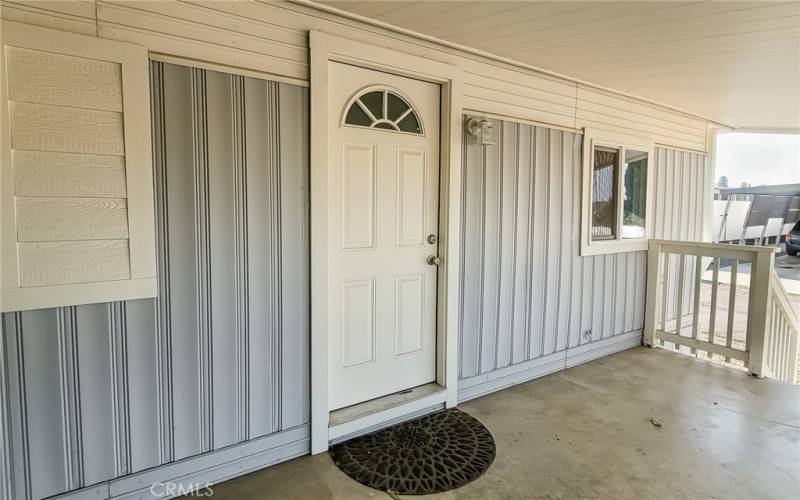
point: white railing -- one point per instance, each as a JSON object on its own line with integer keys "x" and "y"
{"x": 681, "y": 313}
{"x": 783, "y": 334}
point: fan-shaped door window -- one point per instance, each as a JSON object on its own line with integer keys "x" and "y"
{"x": 383, "y": 109}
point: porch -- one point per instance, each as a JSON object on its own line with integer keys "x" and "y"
{"x": 586, "y": 432}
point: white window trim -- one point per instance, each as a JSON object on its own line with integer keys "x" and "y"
{"x": 595, "y": 137}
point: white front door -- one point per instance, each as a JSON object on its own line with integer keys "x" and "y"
{"x": 383, "y": 214}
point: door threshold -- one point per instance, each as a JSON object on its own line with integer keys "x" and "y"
{"x": 374, "y": 414}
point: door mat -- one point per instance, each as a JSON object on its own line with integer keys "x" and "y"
{"x": 434, "y": 453}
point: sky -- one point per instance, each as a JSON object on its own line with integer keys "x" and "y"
{"x": 760, "y": 159}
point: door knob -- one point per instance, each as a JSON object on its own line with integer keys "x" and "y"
{"x": 434, "y": 260}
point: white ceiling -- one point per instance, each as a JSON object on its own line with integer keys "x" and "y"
{"x": 735, "y": 62}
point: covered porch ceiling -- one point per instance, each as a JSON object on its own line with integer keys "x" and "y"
{"x": 734, "y": 62}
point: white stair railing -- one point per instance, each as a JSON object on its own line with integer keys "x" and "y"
{"x": 673, "y": 313}
{"x": 783, "y": 334}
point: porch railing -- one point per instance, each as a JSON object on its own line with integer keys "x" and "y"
{"x": 683, "y": 313}
{"x": 783, "y": 334}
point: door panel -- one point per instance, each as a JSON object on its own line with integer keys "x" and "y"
{"x": 382, "y": 205}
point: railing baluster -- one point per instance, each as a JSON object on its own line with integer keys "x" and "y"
{"x": 731, "y": 304}
{"x": 665, "y": 292}
{"x": 713, "y": 314}
{"x": 698, "y": 279}
{"x": 679, "y": 308}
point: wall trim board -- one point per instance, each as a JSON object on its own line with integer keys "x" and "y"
{"x": 488, "y": 383}
{"x": 476, "y": 110}
{"x": 600, "y": 348}
{"x": 482, "y": 385}
{"x": 209, "y": 468}
{"x": 225, "y": 68}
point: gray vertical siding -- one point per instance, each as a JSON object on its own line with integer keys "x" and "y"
{"x": 682, "y": 187}
{"x": 527, "y": 294}
{"x": 96, "y": 392}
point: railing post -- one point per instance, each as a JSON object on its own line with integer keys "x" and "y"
{"x": 758, "y": 311}
{"x": 651, "y": 295}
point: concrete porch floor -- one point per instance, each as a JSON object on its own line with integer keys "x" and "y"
{"x": 585, "y": 433}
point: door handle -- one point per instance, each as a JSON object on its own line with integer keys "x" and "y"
{"x": 433, "y": 260}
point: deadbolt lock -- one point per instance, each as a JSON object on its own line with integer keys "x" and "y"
{"x": 432, "y": 239}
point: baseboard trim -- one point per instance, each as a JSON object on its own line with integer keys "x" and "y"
{"x": 487, "y": 383}
{"x": 502, "y": 378}
{"x": 207, "y": 469}
{"x": 600, "y": 348}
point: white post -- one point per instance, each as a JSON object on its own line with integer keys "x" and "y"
{"x": 758, "y": 311}
{"x": 651, "y": 296}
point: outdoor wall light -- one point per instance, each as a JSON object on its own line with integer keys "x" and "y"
{"x": 481, "y": 130}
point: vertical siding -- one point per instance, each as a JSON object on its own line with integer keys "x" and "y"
{"x": 99, "y": 391}
{"x": 682, "y": 191}
{"x": 527, "y": 293}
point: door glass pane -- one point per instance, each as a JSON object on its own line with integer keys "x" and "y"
{"x": 410, "y": 124}
{"x": 356, "y": 116}
{"x": 374, "y": 102}
{"x": 396, "y": 106}
{"x": 604, "y": 193}
{"x": 634, "y": 197}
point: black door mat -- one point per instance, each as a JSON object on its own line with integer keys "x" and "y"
{"x": 434, "y": 453}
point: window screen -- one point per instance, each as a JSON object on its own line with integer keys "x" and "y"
{"x": 604, "y": 193}
{"x": 634, "y": 197}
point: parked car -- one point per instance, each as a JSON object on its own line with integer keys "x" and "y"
{"x": 793, "y": 239}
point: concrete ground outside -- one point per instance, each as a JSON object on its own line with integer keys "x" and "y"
{"x": 586, "y": 433}
{"x": 788, "y": 269}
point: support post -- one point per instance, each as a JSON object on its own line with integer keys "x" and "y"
{"x": 758, "y": 311}
{"x": 652, "y": 295}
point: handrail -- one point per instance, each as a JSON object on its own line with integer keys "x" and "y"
{"x": 783, "y": 334}
{"x": 675, "y": 270}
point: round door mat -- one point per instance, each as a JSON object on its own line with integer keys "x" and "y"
{"x": 434, "y": 453}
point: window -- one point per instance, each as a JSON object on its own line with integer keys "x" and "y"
{"x": 383, "y": 109}
{"x": 615, "y": 192}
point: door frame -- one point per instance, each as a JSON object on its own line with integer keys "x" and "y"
{"x": 325, "y": 48}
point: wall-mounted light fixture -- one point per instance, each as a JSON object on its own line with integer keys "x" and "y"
{"x": 481, "y": 130}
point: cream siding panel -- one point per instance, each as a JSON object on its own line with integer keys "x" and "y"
{"x": 203, "y": 41}
{"x": 270, "y": 38}
{"x": 77, "y": 175}
{"x": 42, "y": 173}
{"x": 74, "y": 16}
{"x": 75, "y": 8}
{"x": 621, "y": 114}
{"x": 53, "y": 128}
{"x": 54, "y": 219}
{"x": 60, "y": 262}
{"x": 48, "y": 78}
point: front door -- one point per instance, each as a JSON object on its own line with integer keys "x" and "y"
{"x": 383, "y": 214}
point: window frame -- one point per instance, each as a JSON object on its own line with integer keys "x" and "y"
{"x": 387, "y": 89}
{"x": 600, "y": 138}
